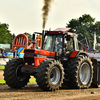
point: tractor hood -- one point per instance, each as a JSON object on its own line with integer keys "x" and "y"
{"x": 33, "y": 58}
{"x": 30, "y": 52}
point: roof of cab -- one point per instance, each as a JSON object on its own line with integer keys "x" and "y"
{"x": 62, "y": 29}
{"x": 58, "y": 31}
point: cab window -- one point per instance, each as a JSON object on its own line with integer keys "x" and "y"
{"x": 68, "y": 44}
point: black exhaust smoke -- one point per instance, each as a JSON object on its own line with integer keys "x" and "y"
{"x": 46, "y": 9}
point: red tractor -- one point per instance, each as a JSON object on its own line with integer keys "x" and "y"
{"x": 58, "y": 63}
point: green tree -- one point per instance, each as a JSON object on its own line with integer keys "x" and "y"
{"x": 29, "y": 35}
{"x": 98, "y": 39}
{"x": 5, "y": 35}
{"x": 11, "y": 41}
{"x": 85, "y": 26}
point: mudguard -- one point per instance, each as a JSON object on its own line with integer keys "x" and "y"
{"x": 77, "y": 53}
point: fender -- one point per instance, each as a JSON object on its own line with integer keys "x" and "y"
{"x": 77, "y": 53}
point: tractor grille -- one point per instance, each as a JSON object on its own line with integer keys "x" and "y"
{"x": 29, "y": 61}
{"x": 31, "y": 55}
{"x": 31, "y": 51}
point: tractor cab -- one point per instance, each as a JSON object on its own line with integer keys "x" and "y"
{"x": 60, "y": 41}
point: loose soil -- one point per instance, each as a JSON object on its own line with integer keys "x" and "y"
{"x": 33, "y": 92}
{"x": 1, "y": 74}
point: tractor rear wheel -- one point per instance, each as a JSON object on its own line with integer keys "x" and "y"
{"x": 81, "y": 72}
{"x": 13, "y": 75}
{"x": 50, "y": 75}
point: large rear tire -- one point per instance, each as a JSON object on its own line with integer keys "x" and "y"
{"x": 81, "y": 72}
{"x": 50, "y": 75}
{"x": 13, "y": 75}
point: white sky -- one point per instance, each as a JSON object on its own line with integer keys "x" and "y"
{"x": 25, "y": 15}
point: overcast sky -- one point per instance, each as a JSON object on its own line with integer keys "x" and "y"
{"x": 25, "y": 15}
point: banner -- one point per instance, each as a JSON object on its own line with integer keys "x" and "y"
{"x": 5, "y": 46}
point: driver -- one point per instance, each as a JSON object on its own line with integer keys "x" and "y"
{"x": 66, "y": 45}
{"x": 59, "y": 43}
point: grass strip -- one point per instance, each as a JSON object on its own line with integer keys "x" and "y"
{"x": 2, "y": 81}
{"x": 31, "y": 80}
{"x": 2, "y": 67}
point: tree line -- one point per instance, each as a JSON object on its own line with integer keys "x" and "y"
{"x": 5, "y": 34}
{"x": 6, "y": 37}
{"x": 85, "y": 26}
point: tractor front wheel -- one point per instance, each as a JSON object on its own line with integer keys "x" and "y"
{"x": 50, "y": 75}
{"x": 13, "y": 75}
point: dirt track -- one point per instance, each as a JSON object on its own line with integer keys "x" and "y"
{"x": 1, "y": 74}
{"x": 33, "y": 92}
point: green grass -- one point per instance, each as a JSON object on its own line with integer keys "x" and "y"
{"x": 2, "y": 67}
{"x": 2, "y": 81}
{"x": 31, "y": 80}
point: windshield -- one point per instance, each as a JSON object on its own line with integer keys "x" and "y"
{"x": 53, "y": 42}
{"x": 49, "y": 42}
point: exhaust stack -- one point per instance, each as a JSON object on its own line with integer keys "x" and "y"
{"x": 43, "y": 33}
{"x": 33, "y": 40}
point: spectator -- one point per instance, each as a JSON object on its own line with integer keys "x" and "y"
{"x": 17, "y": 54}
{"x": 3, "y": 53}
{"x": 99, "y": 49}
{"x": 0, "y": 54}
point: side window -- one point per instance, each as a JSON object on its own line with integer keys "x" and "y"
{"x": 69, "y": 45}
